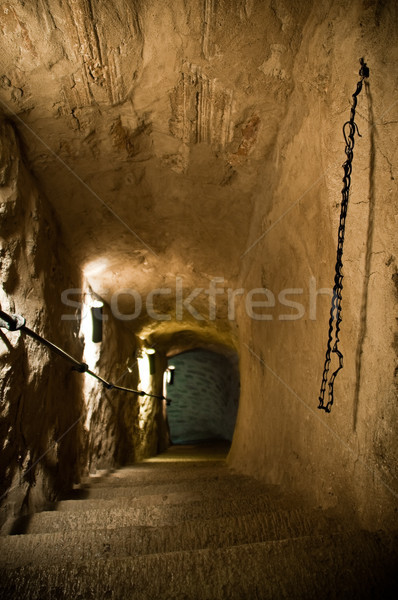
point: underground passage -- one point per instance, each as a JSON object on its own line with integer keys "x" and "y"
{"x": 203, "y": 395}
{"x": 198, "y": 299}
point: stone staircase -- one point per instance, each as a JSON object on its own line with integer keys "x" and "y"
{"x": 183, "y": 526}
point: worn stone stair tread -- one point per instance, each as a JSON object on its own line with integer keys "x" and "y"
{"x": 231, "y": 485}
{"x": 112, "y": 517}
{"x": 151, "y": 477}
{"x": 125, "y": 497}
{"x": 342, "y": 565}
{"x": 128, "y": 501}
{"x": 153, "y": 472}
{"x": 166, "y": 462}
{"x": 190, "y": 533}
{"x": 140, "y": 540}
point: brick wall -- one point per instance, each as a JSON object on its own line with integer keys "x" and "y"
{"x": 204, "y": 394}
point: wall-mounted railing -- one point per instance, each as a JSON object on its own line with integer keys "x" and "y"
{"x": 17, "y": 323}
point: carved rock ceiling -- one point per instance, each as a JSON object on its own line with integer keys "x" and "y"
{"x": 147, "y": 125}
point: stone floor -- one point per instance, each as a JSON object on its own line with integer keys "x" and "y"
{"x": 183, "y": 526}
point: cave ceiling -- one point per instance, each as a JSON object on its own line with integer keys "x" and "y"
{"x": 147, "y": 125}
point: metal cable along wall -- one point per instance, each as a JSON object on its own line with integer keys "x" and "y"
{"x": 18, "y": 323}
{"x": 335, "y": 310}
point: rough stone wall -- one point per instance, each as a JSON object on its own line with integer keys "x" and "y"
{"x": 111, "y": 416}
{"x": 347, "y": 458}
{"x": 170, "y": 136}
{"x": 41, "y": 433}
{"x": 204, "y": 395}
{"x": 162, "y": 426}
{"x": 152, "y": 435}
{"x": 55, "y": 423}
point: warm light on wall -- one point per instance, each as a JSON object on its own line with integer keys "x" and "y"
{"x": 170, "y": 375}
{"x": 144, "y": 372}
{"x": 150, "y": 352}
{"x": 92, "y": 349}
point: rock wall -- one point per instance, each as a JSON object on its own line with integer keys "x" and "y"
{"x": 56, "y": 423}
{"x": 153, "y": 435}
{"x": 111, "y": 416}
{"x": 348, "y": 458}
{"x": 194, "y": 142}
{"x": 41, "y": 433}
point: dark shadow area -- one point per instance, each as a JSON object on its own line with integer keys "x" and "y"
{"x": 198, "y": 451}
{"x": 368, "y": 257}
{"x": 77, "y": 494}
{"x": 82, "y": 492}
{"x": 20, "y": 525}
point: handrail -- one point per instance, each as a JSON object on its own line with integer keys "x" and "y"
{"x": 18, "y": 323}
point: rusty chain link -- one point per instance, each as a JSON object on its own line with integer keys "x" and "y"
{"x": 349, "y": 129}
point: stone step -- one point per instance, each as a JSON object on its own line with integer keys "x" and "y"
{"x": 146, "y": 500}
{"x": 128, "y": 501}
{"x": 204, "y": 453}
{"x": 18, "y": 550}
{"x": 217, "y": 485}
{"x": 340, "y": 566}
{"x": 140, "y": 475}
{"x": 111, "y": 517}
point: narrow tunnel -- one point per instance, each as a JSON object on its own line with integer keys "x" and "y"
{"x": 183, "y": 275}
{"x": 202, "y": 388}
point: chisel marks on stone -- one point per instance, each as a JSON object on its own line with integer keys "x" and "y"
{"x": 201, "y": 109}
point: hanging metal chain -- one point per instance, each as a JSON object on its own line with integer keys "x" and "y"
{"x": 349, "y": 129}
